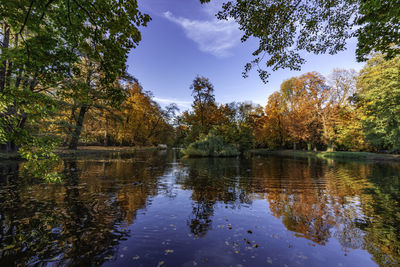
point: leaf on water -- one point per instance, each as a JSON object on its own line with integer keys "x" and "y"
{"x": 236, "y": 252}
{"x": 136, "y": 257}
{"x": 227, "y": 243}
{"x": 255, "y": 246}
{"x": 230, "y": 226}
{"x": 169, "y": 251}
{"x": 160, "y": 263}
{"x": 269, "y": 260}
{"x": 249, "y": 231}
{"x": 9, "y": 247}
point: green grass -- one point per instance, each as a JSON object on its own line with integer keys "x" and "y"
{"x": 327, "y": 155}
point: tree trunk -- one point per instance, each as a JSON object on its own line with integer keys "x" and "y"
{"x": 106, "y": 132}
{"x": 331, "y": 147}
{"x": 3, "y": 68}
{"x": 78, "y": 128}
{"x": 294, "y": 145}
{"x": 309, "y": 146}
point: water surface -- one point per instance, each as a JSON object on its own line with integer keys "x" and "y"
{"x": 153, "y": 209}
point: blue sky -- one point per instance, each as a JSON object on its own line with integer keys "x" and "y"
{"x": 184, "y": 39}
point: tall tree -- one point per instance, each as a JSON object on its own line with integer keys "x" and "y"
{"x": 203, "y": 94}
{"x": 378, "y": 97}
{"x": 41, "y": 43}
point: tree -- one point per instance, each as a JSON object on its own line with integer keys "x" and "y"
{"x": 272, "y": 130}
{"x": 287, "y": 28}
{"x": 203, "y": 94}
{"x": 87, "y": 89}
{"x": 41, "y": 43}
{"x": 380, "y": 29}
{"x": 342, "y": 124}
{"x": 378, "y": 98}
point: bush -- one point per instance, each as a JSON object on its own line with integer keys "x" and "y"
{"x": 210, "y": 146}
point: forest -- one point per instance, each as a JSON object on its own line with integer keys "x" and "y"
{"x": 64, "y": 82}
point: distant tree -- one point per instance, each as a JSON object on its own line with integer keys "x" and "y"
{"x": 272, "y": 131}
{"x": 203, "y": 94}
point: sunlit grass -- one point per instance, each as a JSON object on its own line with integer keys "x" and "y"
{"x": 326, "y": 155}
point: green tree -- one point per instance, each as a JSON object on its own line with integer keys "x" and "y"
{"x": 286, "y": 29}
{"x": 379, "y": 100}
{"x": 41, "y": 43}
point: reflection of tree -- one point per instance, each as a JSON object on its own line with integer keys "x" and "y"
{"x": 200, "y": 222}
{"x": 356, "y": 203}
{"x": 211, "y": 180}
{"x": 382, "y": 233}
{"x": 81, "y": 221}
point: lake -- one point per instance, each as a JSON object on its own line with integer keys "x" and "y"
{"x": 154, "y": 209}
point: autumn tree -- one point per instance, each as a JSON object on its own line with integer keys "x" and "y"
{"x": 343, "y": 128}
{"x": 203, "y": 99}
{"x": 272, "y": 127}
{"x": 41, "y": 43}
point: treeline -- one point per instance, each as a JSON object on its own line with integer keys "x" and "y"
{"x": 345, "y": 111}
{"x": 137, "y": 121}
{"x": 63, "y": 77}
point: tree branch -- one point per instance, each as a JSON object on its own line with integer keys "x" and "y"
{"x": 27, "y": 16}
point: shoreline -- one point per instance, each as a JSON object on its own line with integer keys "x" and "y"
{"x": 83, "y": 150}
{"x": 363, "y": 156}
{"x": 93, "y": 150}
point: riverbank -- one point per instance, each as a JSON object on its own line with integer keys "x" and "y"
{"x": 327, "y": 155}
{"x": 84, "y": 150}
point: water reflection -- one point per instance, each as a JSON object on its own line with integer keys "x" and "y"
{"x": 152, "y": 209}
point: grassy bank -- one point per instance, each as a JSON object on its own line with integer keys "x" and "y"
{"x": 327, "y": 155}
{"x": 83, "y": 150}
{"x": 90, "y": 150}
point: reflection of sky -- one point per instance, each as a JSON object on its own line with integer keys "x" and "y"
{"x": 237, "y": 234}
{"x": 154, "y": 208}
{"x": 184, "y": 39}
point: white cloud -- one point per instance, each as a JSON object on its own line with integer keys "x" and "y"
{"x": 212, "y": 36}
{"x": 166, "y": 101}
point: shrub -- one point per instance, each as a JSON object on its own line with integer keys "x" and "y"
{"x": 210, "y": 146}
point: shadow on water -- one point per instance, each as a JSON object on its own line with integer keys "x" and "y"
{"x": 154, "y": 209}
